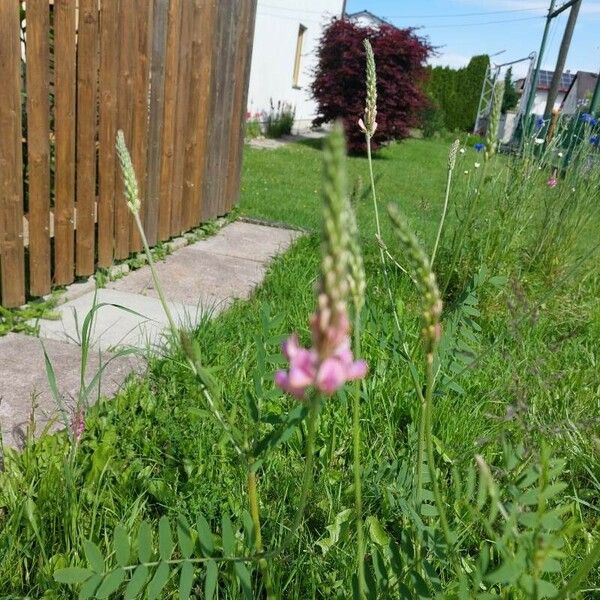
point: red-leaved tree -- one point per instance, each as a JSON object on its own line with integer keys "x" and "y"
{"x": 339, "y": 80}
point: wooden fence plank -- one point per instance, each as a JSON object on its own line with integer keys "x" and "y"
{"x": 87, "y": 76}
{"x": 38, "y": 150}
{"x": 11, "y": 167}
{"x": 64, "y": 78}
{"x": 127, "y": 25}
{"x": 196, "y": 133}
{"x": 226, "y": 108}
{"x": 210, "y": 208}
{"x": 169, "y": 120}
{"x": 108, "y": 80}
{"x": 157, "y": 102}
{"x": 139, "y": 107}
{"x": 183, "y": 87}
{"x": 240, "y": 104}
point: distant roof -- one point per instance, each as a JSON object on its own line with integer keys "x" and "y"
{"x": 368, "y": 14}
{"x": 566, "y": 80}
{"x": 585, "y": 83}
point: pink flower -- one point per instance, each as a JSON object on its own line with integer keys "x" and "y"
{"x": 78, "y": 424}
{"x": 552, "y": 182}
{"x": 328, "y": 365}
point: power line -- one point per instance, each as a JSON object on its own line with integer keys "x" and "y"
{"x": 429, "y": 16}
{"x": 474, "y": 24}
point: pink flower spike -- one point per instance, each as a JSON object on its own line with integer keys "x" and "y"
{"x": 552, "y": 181}
{"x": 331, "y": 376}
{"x": 357, "y": 370}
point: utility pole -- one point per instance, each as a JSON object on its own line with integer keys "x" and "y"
{"x": 562, "y": 57}
{"x": 538, "y": 66}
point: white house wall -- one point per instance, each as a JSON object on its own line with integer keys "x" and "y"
{"x": 274, "y": 52}
{"x": 541, "y": 97}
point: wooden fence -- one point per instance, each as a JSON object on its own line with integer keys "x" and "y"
{"x": 172, "y": 74}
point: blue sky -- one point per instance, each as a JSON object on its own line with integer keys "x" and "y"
{"x": 515, "y": 26}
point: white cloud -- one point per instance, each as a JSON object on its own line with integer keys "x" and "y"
{"x": 450, "y": 59}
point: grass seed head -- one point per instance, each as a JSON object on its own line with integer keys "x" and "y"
{"x": 128, "y": 172}
{"x": 369, "y": 125}
{"x": 424, "y": 279}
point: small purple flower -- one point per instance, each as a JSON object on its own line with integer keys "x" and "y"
{"x": 552, "y": 182}
{"x": 588, "y": 118}
{"x": 595, "y": 140}
{"x": 479, "y": 147}
{"x": 539, "y": 123}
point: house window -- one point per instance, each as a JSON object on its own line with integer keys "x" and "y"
{"x": 298, "y": 58}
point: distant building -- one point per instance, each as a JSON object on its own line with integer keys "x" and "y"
{"x": 285, "y": 52}
{"x": 541, "y": 93}
{"x": 580, "y": 92}
{"x": 366, "y": 18}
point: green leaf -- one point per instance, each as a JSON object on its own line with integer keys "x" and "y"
{"x": 165, "y": 539}
{"x": 210, "y": 582}
{"x": 88, "y": 589}
{"x": 546, "y": 589}
{"x": 186, "y": 580}
{"x": 111, "y": 583}
{"x": 376, "y": 531}
{"x": 136, "y": 583}
{"x": 186, "y": 545}
{"x": 428, "y": 510}
{"x": 94, "y": 556}
{"x": 243, "y": 574}
{"x": 121, "y": 546}
{"x": 72, "y": 575}
{"x": 249, "y": 536}
{"x": 158, "y": 582}
{"x": 205, "y": 535}
{"x": 551, "y": 565}
{"x": 145, "y": 542}
{"x": 228, "y": 536}
{"x": 509, "y": 572}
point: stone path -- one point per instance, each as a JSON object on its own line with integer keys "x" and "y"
{"x": 204, "y": 277}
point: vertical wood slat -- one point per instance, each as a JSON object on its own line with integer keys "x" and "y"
{"x": 109, "y": 63}
{"x": 196, "y": 133}
{"x": 64, "y": 81}
{"x": 127, "y": 25}
{"x": 38, "y": 150}
{"x": 226, "y": 105}
{"x": 87, "y": 74}
{"x": 183, "y": 87}
{"x": 157, "y": 102}
{"x": 240, "y": 103}
{"x": 210, "y": 191}
{"x": 11, "y": 182}
{"x": 139, "y": 107}
{"x": 169, "y": 120}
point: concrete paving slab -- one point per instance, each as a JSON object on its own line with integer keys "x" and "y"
{"x": 249, "y": 241}
{"x": 23, "y": 382}
{"x": 211, "y": 273}
{"x": 115, "y": 327}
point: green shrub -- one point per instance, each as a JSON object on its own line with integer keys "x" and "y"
{"x": 280, "y": 120}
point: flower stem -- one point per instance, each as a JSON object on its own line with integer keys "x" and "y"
{"x": 444, "y": 211}
{"x": 258, "y": 545}
{"x": 307, "y": 478}
{"x": 360, "y": 542}
{"x": 427, "y": 417}
{"x": 378, "y": 227}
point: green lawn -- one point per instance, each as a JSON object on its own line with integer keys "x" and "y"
{"x": 154, "y": 451}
